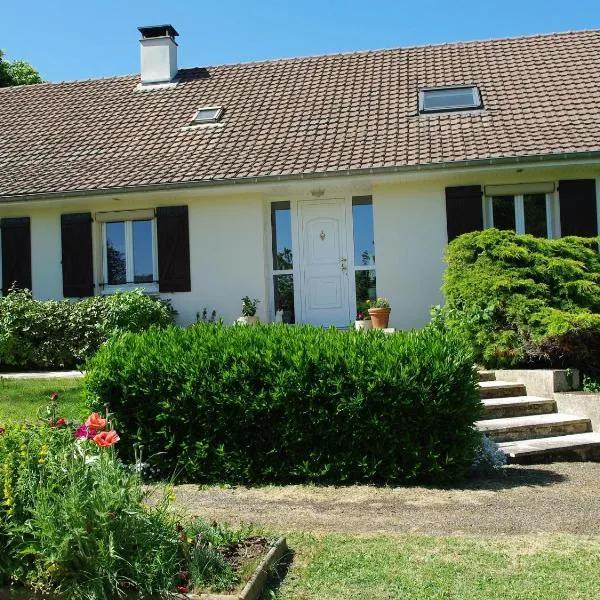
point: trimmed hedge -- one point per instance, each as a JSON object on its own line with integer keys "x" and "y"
{"x": 526, "y": 301}
{"x": 53, "y": 334}
{"x": 276, "y": 403}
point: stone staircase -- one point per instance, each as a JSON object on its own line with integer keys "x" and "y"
{"x": 529, "y": 429}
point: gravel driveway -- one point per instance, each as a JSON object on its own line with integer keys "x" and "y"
{"x": 554, "y": 498}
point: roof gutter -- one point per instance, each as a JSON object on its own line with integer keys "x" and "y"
{"x": 478, "y": 163}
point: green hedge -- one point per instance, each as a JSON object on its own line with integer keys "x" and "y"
{"x": 291, "y": 404}
{"x": 526, "y": 301}
{"x": 46, "y": 334}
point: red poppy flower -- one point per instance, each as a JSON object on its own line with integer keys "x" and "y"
{"x": 95, "y": 421}
{"x": 106, "y": 438}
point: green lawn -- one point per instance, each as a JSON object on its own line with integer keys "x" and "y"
{"x": 418, "y": 567}
{"x": 20, "y": 399}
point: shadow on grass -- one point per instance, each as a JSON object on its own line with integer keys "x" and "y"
{"x": 276, "y": 576}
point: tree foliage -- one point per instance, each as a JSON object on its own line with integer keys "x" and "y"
{"x": 17, "y": 72}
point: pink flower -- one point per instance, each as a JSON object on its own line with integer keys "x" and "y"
{"x": 95, "y": 421}
{"x": 85, "y": 432}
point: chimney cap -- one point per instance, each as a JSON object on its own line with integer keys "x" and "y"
{"x": 153, "y": 31}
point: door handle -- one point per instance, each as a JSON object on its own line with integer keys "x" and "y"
{"x": 344, "y": 264}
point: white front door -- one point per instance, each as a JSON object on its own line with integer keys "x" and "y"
{"x": 324, "y": 270}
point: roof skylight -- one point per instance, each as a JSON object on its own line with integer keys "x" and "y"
{"x": 445, "y": 99}
{"x": 208, "y": 114}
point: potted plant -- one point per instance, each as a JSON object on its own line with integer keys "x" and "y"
{"x": 380, "y": 312}
{"x": 248, "y": 311}
{"x": 363, "y": 321}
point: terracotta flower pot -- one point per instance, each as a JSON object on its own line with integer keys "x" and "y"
{"x": 380, "y": 317}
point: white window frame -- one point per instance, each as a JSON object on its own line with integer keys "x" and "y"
{"x": 214, "y": 119}
{"x": 476, "y": 105}
{"x": 272, "y": 270}
{"x": 488, "y": 213}
{"x": 129, "y": 265}
{"x": 360, "y": 267}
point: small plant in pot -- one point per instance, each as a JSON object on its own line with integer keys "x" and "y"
{"x": 363, "y": 319}
{"x": 248, "y": 311}
{"x": 380, "y": 312}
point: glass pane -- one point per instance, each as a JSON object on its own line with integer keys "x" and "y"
{"x": 449, "y": 98}
{"x": 281, "y": 224}
{"x": 206, "y": 114}
{"x": 504, "y": 212}
{"x": 143, "y": 266}
{"x": 362, "y": 219}
{"x": 366, "y": 289}
{"x": 284, "y": 297}
{"x": 115, "y": 253}
{"x": 534, "y": 206}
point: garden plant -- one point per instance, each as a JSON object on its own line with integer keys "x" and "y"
{"x": 73, "y": 522}
{"x": 281, "y": 404}
{"x": 525, "y": 301}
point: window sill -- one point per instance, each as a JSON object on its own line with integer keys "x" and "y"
{"x": 147, "y": 288}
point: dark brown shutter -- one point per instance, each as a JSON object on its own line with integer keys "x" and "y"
{"x": 172, "y": 232}
{"x": 464, "y": 212}
{"x": 16, "y": 253}
{"x": 77, "y": 257}
{"x": 578, "y": 214}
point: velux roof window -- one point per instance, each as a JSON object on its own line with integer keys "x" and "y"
{"x": 446, "y": 99}
{"x": 208, "y": 114}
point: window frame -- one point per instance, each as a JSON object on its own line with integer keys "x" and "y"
{"x": 476, "y": 93}
{"x": 218, "y": 114}
{"x": 358, "y": 201}
{"x": 272, "y": 246}
{"x": 519, "y": 208}
{"x": 129, "y": 284}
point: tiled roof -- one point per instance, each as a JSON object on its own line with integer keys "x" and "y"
{"x": 541, "y": 96}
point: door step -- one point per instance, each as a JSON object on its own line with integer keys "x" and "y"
{"x": 532, "y": 427}
{"x": 517, "y": 406}
{"x": 579, "y": 446}
{"x": 501, "y": 389}
{"x": 486, "y": 375}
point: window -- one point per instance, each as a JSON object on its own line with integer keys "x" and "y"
{"x": 283, "y": 260}
{"x": 364, "y": 251}
{"x": 208, "y": 115}
{"x": 449, "y": 99}
{"x": 129, "y": 254}
{"x": 523, "y": 213}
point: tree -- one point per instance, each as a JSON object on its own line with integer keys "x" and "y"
{"x": 17, "y": 72}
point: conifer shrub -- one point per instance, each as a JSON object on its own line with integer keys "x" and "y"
{"x": 283, "y": 404}
{"x": 523, "y": 301}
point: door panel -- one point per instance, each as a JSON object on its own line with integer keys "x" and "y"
{"x": 324, "y": 265}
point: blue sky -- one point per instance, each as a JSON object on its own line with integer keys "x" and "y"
{"x": 85, "y": 38}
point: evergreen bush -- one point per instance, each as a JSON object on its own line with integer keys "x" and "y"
{"x": 525, "y": 301}
{"x": 52, "y": 334}
{"x": 291, "y": 404}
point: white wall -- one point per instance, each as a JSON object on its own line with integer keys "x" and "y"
{"x": 410, "y": 238}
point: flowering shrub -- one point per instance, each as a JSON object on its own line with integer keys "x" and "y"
{"x": 73, "y": 522}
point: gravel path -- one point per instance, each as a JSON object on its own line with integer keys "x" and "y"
{"x": 555, "y": 498}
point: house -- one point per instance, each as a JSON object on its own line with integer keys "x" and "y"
{"x": 309, "y": 183}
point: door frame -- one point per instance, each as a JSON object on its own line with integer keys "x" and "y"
{"x": 348, "y": 238}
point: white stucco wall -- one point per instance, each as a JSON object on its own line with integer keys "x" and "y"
{"x": 410, "y": 237}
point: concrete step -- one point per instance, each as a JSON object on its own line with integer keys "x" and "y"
{"x": 486, "y": 375}
{"x": 517, "y": 406}
{"x": 533, "y": 426}
{"x": 579, "y": 446}
{"x": 501, "y": 389}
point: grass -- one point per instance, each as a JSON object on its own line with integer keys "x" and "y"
{"x": 418, "y": 567}
{"x": 20, "y": 399}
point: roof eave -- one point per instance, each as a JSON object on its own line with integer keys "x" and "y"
{"x": 593, "y": 155}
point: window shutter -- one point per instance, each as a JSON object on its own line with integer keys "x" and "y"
{"x": 77, "y": 257}
{"x": 16, "y": 253}
{"x": 464, "y": 211}
{"x": 578, "y": 207}
{"x": 172, "y": 232}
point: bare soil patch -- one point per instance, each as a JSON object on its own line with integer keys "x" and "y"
{"x": 554, "y": 498}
